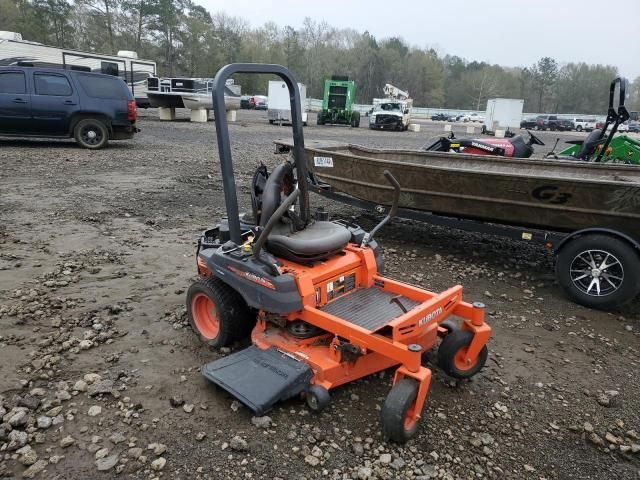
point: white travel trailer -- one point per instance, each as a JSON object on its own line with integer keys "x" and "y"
{"x": 279, "y": 103}
{"x": 126, "y": 65}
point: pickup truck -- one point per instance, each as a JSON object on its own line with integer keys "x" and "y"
{"x": 585, "y": 124}
{"x": 552, "y": 122}
{"x": 54, "y": 102}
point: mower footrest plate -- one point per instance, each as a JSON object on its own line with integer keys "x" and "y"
{"x": 259, "y": 378}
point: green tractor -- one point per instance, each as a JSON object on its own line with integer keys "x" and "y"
{"x": 337, "y": 102}
{"x": 600, "y": 147}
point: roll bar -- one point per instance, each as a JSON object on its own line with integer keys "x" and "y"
{"x": 224, "y": 146}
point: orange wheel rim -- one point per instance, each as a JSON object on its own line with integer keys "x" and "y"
{"x": 205, "y": 316}
{"x": 411, "y": 418}
{"x": 459, "y": 360}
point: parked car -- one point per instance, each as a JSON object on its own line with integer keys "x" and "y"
{"x": 259, "y": 102}
{"x": 528, "y": 123}
{"x": 473, "y": 117}
{"x": 92, "y": 108}
{"x": 623, "y": 127}
{"x": 634, "y": 127}
{"x": 440, "y": 117}
{"x": 244, "y": 102}
{"x": 586, "y": 124}
{"x": 552, "y": 122}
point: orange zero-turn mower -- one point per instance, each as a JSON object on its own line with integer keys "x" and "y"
{"x": 310, "y": 294}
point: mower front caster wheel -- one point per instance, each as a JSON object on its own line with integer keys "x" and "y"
{"x": 453, "y": 351}
{"x": 217, "y": 313}
{"x": 400, "y": 421}
{"x": 317, "y": 398}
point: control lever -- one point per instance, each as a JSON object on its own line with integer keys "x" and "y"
{"x": 392, "y": 212}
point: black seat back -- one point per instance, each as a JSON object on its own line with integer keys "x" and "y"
{"x": 589, "y": 145}
{"x": 520, "y": 147}
{"x": 280, "y": 181}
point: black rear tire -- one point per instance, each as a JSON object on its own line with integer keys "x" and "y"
{"x": 235, "y": 320}
{"x": 395, "y": 410}
{"x": 91, "y": 133}
{"x": 320, "y": 119}
{"x": 355, "y": 119}
{"x": 628, "y": 287}
{"x": 454, "y": 344}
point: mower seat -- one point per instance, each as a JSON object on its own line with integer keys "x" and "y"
{"x": 317, "y": 241}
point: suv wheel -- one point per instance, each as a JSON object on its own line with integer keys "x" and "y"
{"x": 91, "y": 133}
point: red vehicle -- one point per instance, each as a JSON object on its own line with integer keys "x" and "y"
{"x": 514, "y": 147}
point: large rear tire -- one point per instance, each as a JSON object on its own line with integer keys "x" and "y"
{"x": 399, "y": 420}
{"x": 217, "y": 313}
{"x": 599, "y": 271}
{"x": 355, "y": 119}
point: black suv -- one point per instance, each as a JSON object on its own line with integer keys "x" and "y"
{"x": 45, "y": 102}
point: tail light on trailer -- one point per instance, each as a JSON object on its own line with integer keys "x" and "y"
{"x": 131, "y": 113}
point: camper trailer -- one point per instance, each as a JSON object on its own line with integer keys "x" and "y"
{"x": 126, "y": 65}
{"x": 279, "y": 103}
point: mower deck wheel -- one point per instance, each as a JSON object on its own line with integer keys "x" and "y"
{"x": 400, "y": 421}
{"x": 452, "y": 352}
{"x": 318, "y": 398}
{"x": 217, "y": 313}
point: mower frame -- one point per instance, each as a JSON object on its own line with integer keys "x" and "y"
{"x": 282, "y": 291}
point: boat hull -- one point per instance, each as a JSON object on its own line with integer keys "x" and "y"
{"x": 205, "y": 102}
{"x": 558, "y": 195}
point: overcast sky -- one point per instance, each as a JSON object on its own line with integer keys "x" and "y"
{"x": 506, "y": 32}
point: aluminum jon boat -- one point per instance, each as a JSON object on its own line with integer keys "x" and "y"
{"x": 561, "y": 195}
{"x": 587, "y": 214}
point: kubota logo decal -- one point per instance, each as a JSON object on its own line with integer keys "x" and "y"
{"x": 252, "y": 277}
{"x": 430, "y": 316}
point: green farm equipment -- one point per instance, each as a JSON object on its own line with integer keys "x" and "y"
{"x": 600, "y": 146}
{"x": 337, "y": 102}
{"x": 621, "y": 149}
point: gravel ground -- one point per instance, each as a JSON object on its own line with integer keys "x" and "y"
{"x": 99, "y": 371}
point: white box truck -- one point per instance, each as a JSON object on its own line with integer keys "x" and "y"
{"x": 502, "y": 114}
{"x": 279, "y": 110}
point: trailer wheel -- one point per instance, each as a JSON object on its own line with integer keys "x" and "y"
{"x": 400, "y": 421}
{"x": 599, "y": 271}
{"x": 355, "y": 119}
{"x": 217, "y": 313}
{"x": 317, "y": 398}
{"x": 452, "y": 351}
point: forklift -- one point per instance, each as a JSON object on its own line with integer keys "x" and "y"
{"x": 310, "y": 295}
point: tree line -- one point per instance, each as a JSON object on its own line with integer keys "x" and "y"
{"x": 186, "y": 39}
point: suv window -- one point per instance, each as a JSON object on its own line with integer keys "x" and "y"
{"x": 103, "y": 87}
{"x": 51, "y": 84}
{"x": 12, "y": 82}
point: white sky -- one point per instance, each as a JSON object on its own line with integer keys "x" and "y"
{"x": 506, "y": 32}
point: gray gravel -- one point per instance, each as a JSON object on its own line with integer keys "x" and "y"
{"x": 97, "y": 250}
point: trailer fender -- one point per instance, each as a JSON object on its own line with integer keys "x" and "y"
{"x": 608, "y": 231}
